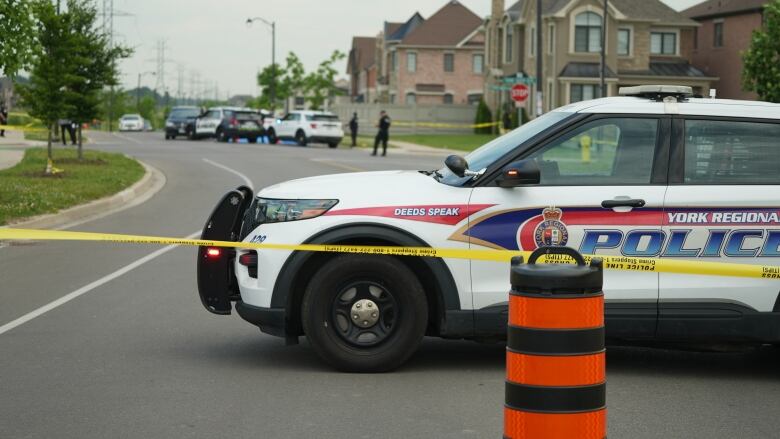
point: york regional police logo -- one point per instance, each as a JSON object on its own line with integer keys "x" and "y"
{"x": 551, "y": 231}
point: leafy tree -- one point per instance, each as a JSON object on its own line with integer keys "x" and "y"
{"x": 93, "y": 65}
{"x": 320, "y": 84}
{"x": 289, "y": 81}
{"x": 50, "y": 67}
{"x": 147, "y": 108}
{"x": 484, "y": 115}
{"x": 761, "y": 62}
{"x": 17, "y": 30}
{"x": 114, "y": 101}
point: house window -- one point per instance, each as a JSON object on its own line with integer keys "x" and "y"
{"x": 551, "y": 39}
{"x": 550, "y": 104}
{"x": 510, "y": 36}
{"x": 478, "y": 63}
{"x": 583, "y": 92}
{"x": 624, "y": 42}
{"x": 448, "y": 98}
{"x": 411, "y": 62}
{"x": 411, "y": 98}
{"x": 532, "y": 41}
{"x": 587, "y": 32}
{"x": 474, "y": 98}
{"x": 392, "y": 98}
{"x": 449, "y": 62}
{"x": 718, "y": 35}
{"x": 393, "y": 62}
{"x": 663, "y": 43}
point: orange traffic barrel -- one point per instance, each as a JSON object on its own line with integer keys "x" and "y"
{"x": 555, "y": 356}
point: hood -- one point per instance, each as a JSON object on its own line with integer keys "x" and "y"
{"x": 358, "y": 187}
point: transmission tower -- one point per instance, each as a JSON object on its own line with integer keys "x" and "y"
{"x": 160, "y": 70}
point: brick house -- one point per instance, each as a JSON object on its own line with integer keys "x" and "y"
{"x": 362, "y": 69}
{"x": 435, "y": 61}
{"x": 647, "y": 43}
{"x": 725, "y": 31}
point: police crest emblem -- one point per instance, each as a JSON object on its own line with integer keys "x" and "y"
{"x": 551, "y": 231}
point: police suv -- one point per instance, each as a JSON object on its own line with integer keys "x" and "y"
{"x": 655, "y": 172}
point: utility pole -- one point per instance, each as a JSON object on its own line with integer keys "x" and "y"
{"x": 539, "y": 82}
{"x": 160, "y": 70}
{"x": 603, "y": 66}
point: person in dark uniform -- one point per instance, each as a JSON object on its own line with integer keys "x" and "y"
{"x": 67, "y": 125}
{"x": 3, "y": 119}
{"x": 353, "y": 128}
{"x": 384, "y": 133}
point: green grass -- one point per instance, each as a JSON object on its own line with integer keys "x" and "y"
{"x": 462, "y": 142}
{"x": 25, "y": 191}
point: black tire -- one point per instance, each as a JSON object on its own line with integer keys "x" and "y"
{"x": 167, "y": 137}
{"x": 252, "y": 139}
{"x": 333, "y": 145}
{"x": 173, "y": 136}
{"x": 300, "y": 138}
{"x": 221, "y": 137}
{"x": 399, "y": 325}
{"x": 272, "y": 139}
{"x": 191, "y": 134}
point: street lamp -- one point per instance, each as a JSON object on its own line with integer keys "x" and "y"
{"x": 272, "y": 24}
{"x": 138, "y": 89}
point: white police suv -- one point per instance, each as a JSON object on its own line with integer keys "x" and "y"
{"x": 653, "y": 173}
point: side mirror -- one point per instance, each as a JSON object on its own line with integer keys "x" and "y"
{"x": 521, "y": 173}
{"x": 457, "y": 165}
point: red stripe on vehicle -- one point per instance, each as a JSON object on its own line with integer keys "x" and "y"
{"x": 449, "y": 214}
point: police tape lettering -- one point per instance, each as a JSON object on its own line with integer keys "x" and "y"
{"x": 660, "y": 265}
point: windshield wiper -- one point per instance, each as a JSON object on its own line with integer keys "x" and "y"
{"x": 433, "y": 173}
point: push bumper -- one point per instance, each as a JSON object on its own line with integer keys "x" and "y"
{"x": 269, "y": 320}
{"x": 325, "y": 139}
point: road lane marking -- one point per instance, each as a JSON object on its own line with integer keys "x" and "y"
{"x": 336, "y": 164}
{"x": 89, "y": 287}
{"x": 130, "y": 139}
{"x": 231, "y": 170}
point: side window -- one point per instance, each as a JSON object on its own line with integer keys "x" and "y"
{"x": 613, "y": 151}
{"x": 292, "y": 117}
{"x": 727, "y": 152}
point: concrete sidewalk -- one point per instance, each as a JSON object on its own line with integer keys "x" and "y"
{"x": 414, "y": 148}
{"x": 12, "y": 148}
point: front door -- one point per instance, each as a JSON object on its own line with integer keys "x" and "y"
{"x": 601, "y": 192}
{"x": 723, "y": 205}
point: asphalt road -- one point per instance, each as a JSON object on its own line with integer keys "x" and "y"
{"x": 136, "y": 356}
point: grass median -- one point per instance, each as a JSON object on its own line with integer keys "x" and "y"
{"x": 25, "y": 191}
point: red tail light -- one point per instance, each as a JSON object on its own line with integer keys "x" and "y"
{"x": 314, "y": 126}
{"x": 249, "y": 260}
{"x": 214, "y": 252}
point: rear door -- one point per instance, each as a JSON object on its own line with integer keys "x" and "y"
{"x": 286, "y": 127}
{"x": 723, "y": 204}
{"x": 614, "y": 161}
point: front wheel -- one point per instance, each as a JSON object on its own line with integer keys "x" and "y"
{"x": 272, "y": 139}
{"x": 300, "y": 138}
{"x": 364, "y": 313}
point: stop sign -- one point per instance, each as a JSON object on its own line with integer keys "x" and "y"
{"x": 519, "y": 92}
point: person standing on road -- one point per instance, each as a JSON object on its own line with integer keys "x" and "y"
{"x": 3, "y": 119}
{"x": 384, "y": 133}
{"x": 353, "y": 129}
{"x": 67, "y": 125}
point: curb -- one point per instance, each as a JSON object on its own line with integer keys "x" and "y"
{"x": 144, "y": 189}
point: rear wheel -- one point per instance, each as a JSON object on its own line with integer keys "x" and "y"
{"x": 190, "y": 134}
{"x": 252, "y": 139}
{"x": 221, "y": 137}
{"x": 272, "y": 139}
{"x": 300, "y": 138}
{"x": 333, "y": 144}
{"x": 364, "y": 313}
{"x": 173, "y": 136}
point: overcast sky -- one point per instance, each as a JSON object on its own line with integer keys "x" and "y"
{"x": 208, "y": 40}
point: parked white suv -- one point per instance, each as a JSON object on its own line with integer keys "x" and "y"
{"x": 308, "y": 127}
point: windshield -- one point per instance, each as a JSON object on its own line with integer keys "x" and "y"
{"x": 184, "y": 113}
{"x": 131, "y": 117}
{"x": 488, "y": 153}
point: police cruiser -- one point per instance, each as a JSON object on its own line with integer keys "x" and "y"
{"x": 655, "y": 172}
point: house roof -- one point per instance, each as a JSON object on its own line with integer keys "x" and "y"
{"x": 715, "y": 8}
{"x": 405, "y": 28}
{"x": 666, "y": 68}
{"x": 515, "y": 10}
{"x": 652, "y": 10}
{"x": 362, "y": 55}
{"x": 447, "y": 27}
{"x": 585, "y": 70}
{"x": 390, "y": 28}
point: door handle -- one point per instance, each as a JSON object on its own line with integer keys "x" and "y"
{"x": 630, "y": 202}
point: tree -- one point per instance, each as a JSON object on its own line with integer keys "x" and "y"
{"x": 93, "y": 64}
{"x": 289, "y": 81}
{"x": 321, "y": 84}
{"x": 50, "y": 67}
{"x": 17, "y": 30}
{"x": 761, "y": 62}
{"x": 483, "y": 116}
{"x": 114, "y": 101}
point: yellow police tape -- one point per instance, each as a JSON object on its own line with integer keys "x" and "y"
{"x": 444, "y": 125}
{"x": 661, "y": 265}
